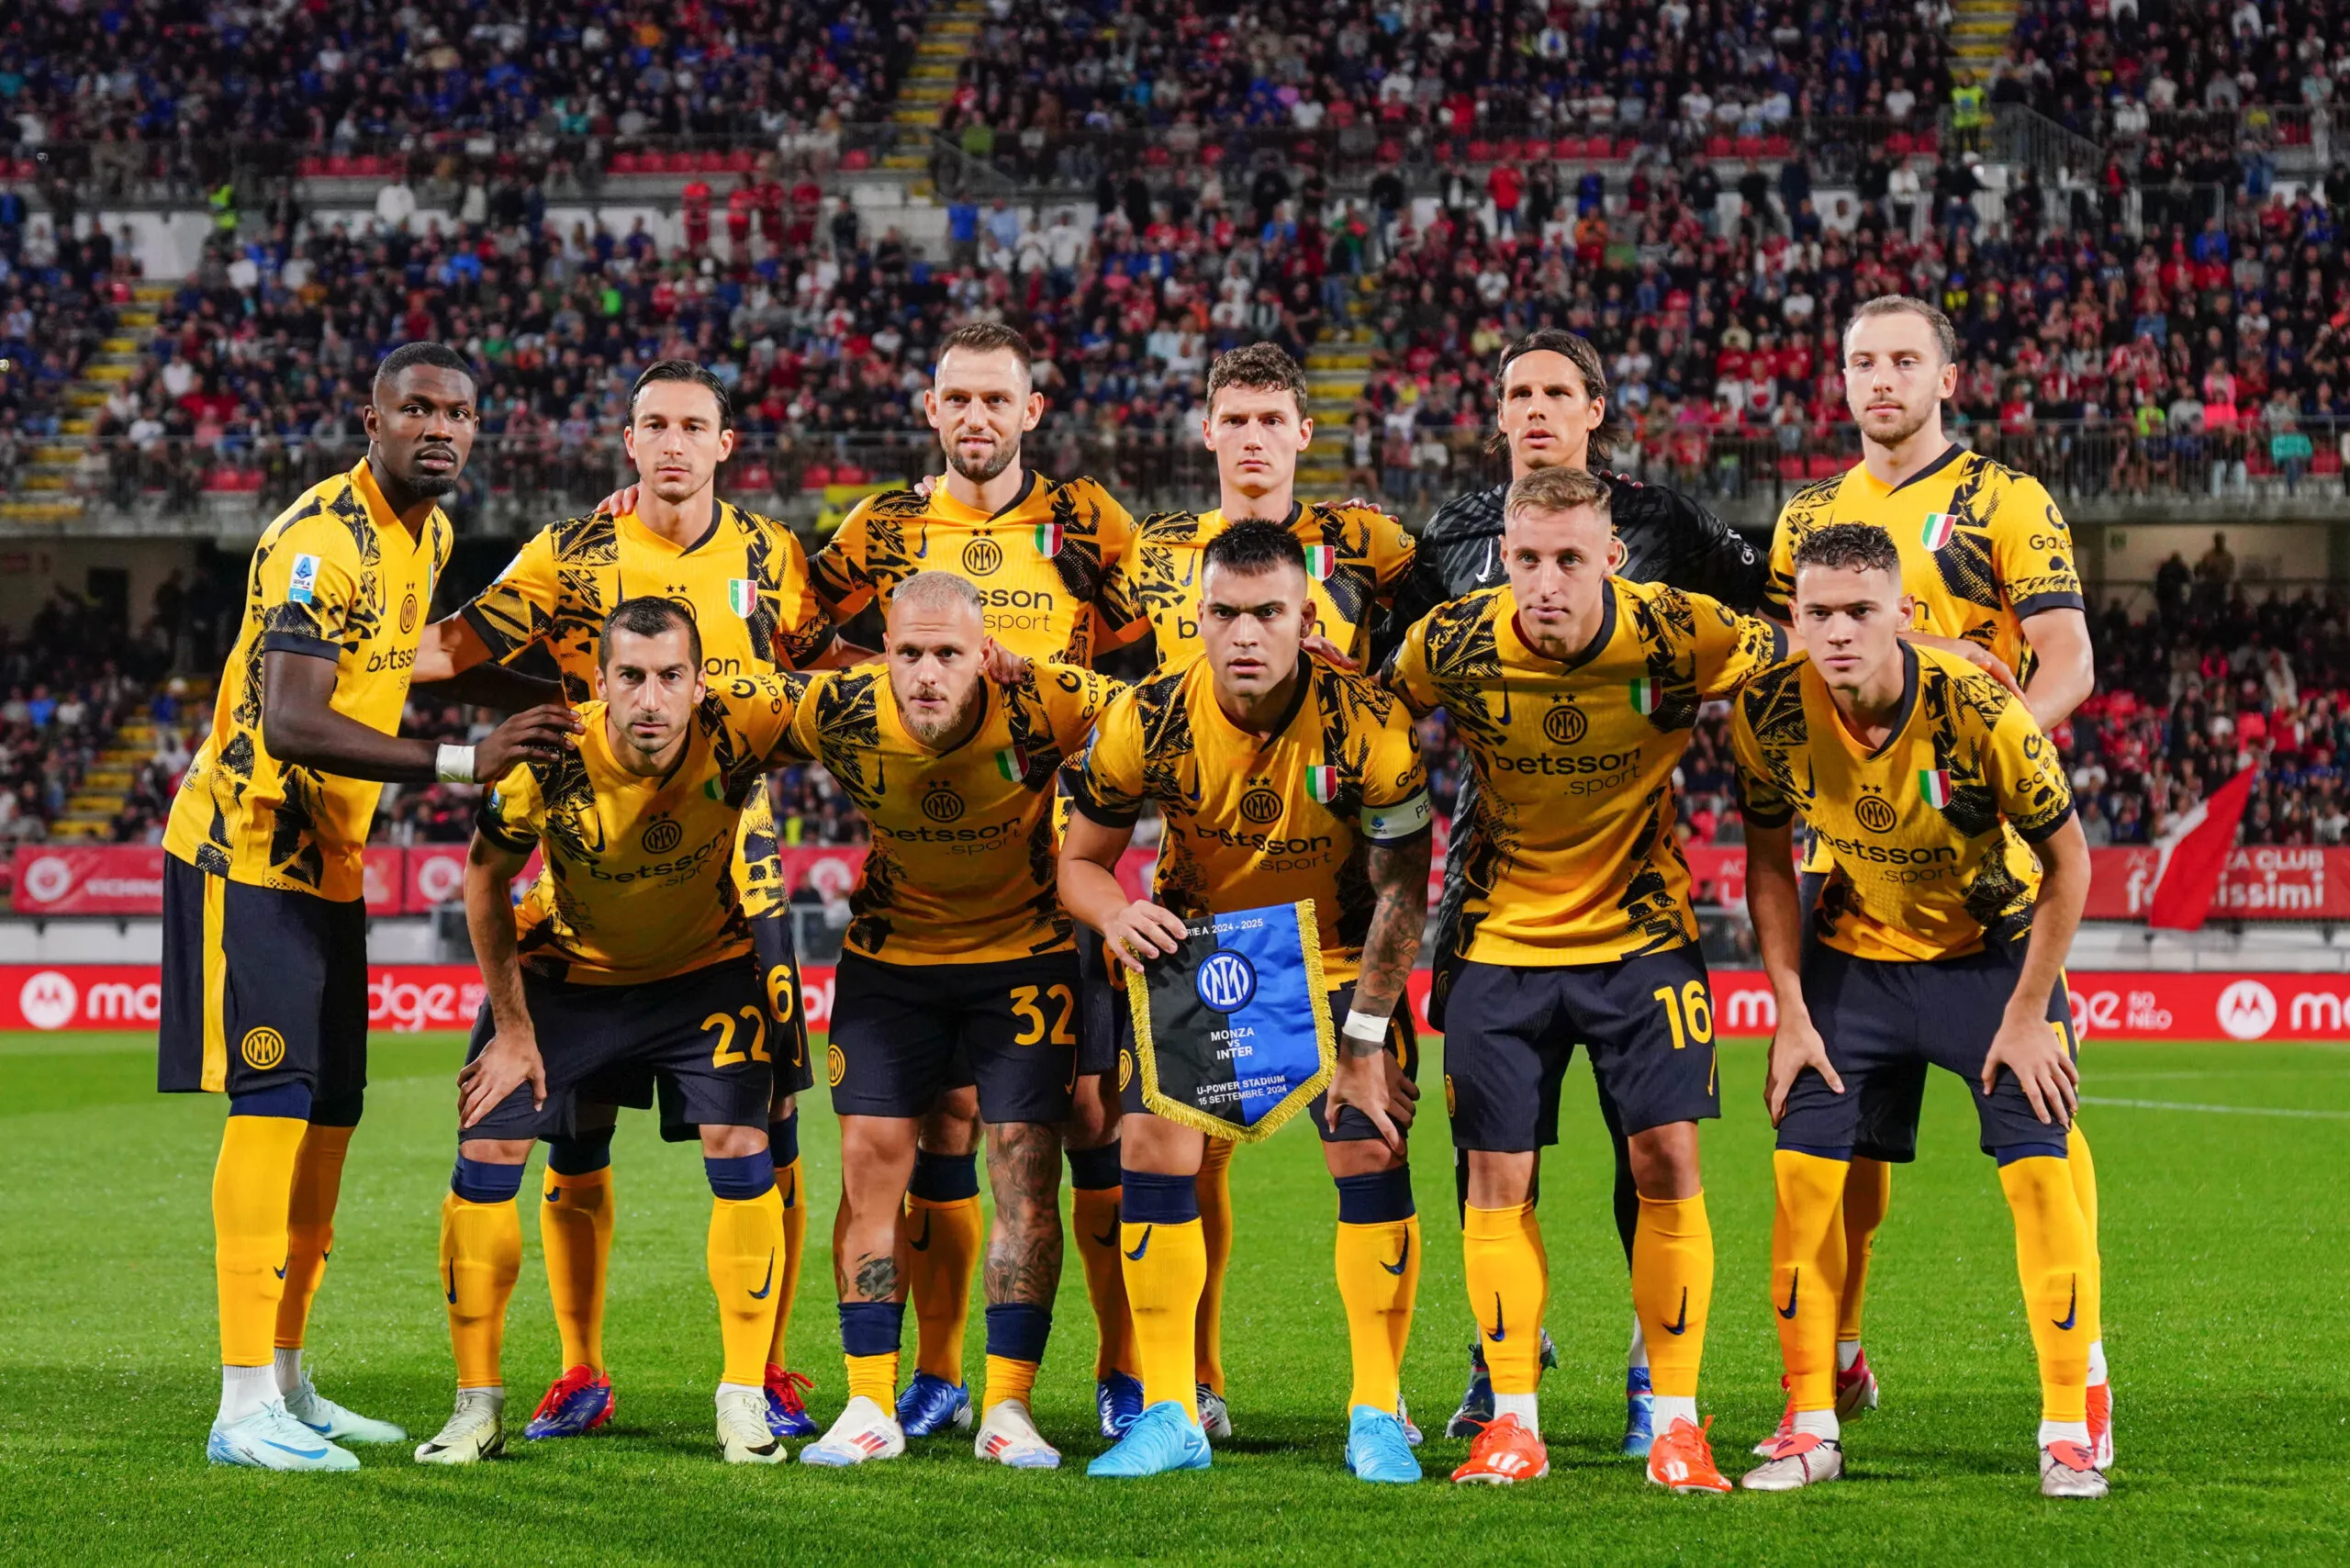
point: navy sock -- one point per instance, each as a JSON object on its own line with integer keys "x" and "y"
{"x": 783, "y": 1139}
{"x": 1150, "y": 1198}
{"x": 1380, "y": 1197}
{"x": 872, "y": 1328}
{"x": 740, "y": 1178}
{"x": 1092, "y": 1169}
{"x": 945, "y": 1178}
{"x": 1017, "y": 1331}
{"x": 581, "y": 1154}
{"x": 480, "y": 1181}
{"x": 292, "y": 1100}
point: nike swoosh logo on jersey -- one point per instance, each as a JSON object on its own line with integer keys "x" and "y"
{"x": 922, "y": 1243}
{"x": 1793, "y": 1285}
{"x": 1396, "y": 1268}
{"x": 281, "y": 1270}
{"x": 1682, "y": 1326}
{"x": 768, "y": 1283}
{"x": 1141, "y": 1246}
{"x": 453, "y": 1284}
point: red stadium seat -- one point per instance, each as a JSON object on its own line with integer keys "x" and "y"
{"x": 1211, "y": 153}
{"x": 1749, "y": 147}
{"x": 1390, "y": 152}
{"x": 850, "y": 474}
{"x": 1626, "y": 145}
{"x": 1512, "y": 149}
{"x": 741, "y": 160}
{"x": 311, "y": 166}
{"x": 1821, "y": 466}
{"x": 1157, "y": 156}
{"x": 627, "y": 162}
{"x": 1899, "y": 143}
{"x": 1481, "y": 152}
{"x": 855, "y": 157}
{"x": 815, "y": 476}
{"x": 1775, "y": 147}
{"x": 1718, "y": 147}
{"x": 1791, "y": 467}
{"x": 1567, "y": 148}
{"x": 756, "y": 479}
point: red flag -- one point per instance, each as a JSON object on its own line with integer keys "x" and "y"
{"x": 2191, "y": 853}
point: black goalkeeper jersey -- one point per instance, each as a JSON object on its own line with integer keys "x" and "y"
{"x": 1668, "y": 538}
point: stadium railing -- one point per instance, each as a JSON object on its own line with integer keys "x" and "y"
{"x": 1745, "y": 470}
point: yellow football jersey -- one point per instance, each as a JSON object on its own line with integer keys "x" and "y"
{"x": 1250, "y": 823}
{"x": 339, "y": 577}
{"x": 1928, "y": 835}
{"x": 638, "y": 879}
{"x": 1572, "y": 857}
{"x": 964, "y": 863}
{"x": 745, "y": 580}
{"x": 1041, "y": 564}
{"x": 1355, "y": 559}
{"x": 1982, "y": 546}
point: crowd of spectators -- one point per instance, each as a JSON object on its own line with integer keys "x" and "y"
{"x": 305, "y": 71}
{"x": 57, "y": 304}
{"x": 1044, "y": 75}
{"x": 71, "y": 679}
{"x": 2105, "y": 68}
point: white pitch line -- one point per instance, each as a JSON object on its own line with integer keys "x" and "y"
{"x": 2223, "y": 1110}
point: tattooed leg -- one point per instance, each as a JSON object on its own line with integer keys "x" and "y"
{"x": 1025, "y": 1246}
{"x": 877, "y": 1162}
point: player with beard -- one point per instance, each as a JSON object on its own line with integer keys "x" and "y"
{"x": 1986, "y": 561}
{"x": 1041, "y": 552}
{"x": 1554, "y": 414}
{"x": 264, "y": 983}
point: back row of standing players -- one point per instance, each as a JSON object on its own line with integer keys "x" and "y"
{"x": 1062, "y": 577}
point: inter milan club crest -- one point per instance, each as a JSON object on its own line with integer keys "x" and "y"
{"x": 1048, "y": 539}
{"x": 1322, "y": 783}
{"x": 1934, "y": 783}
{"x": 1938, "y": 527}
{"x": 743, "y": 597}
{"x": 1320, "y": 562}
{"x": 1013, "y": 762}
{"x": 1646, "y": 694}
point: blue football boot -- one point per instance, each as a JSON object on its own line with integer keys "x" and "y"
{"x": 1163, "y": 1438}
{"x": 931, "y": 1404}
{"x": 1377, "y": 1448}
{"x": 1118, "y": 1400}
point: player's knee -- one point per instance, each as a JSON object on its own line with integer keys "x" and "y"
{"x": 953, "y": 1125}
{"x": 1155, "y": 1144}
{"x": 1093, "y": 1113}
{"x": 1500, "y": 1179}
{"x": 732, "y": 1142}
{"x": 1360, "y": 1157}
{"x": 1024, "y": 1164}
{"x": 1664, "y": 1161}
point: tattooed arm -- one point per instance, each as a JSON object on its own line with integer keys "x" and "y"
{"x": 1367, "y": 1076}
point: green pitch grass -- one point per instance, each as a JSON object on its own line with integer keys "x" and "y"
{"x": 2224, "y": 1242}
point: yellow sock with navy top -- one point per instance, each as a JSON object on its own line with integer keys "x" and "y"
{"x": 1509, "y": 1276}
{"x": 1167, "y": 1267}
{"x": 783, "y": 1146}
{"x": 1379, "y": 1278}
{"x": 576, "y": 1216}
{"x": 1868, "y": 1193}
{"x": 1017, "y": 1331}
{"x": 944, "y": 1233}
{"x": 2059, "y": 1275}
{"x": 1809, "y": 1256}
{"x": 2082, "y": 1167}
{"x": 1094, "y": 1197}
{"x": 1673, "y": 1289}
{"x": 253, "y": 1184}
{"x": 310, "y": 1227}
{"x": 870, "y": 1334}
{"x": 1213, "y": 1184}
{"x": 745, "y": 1262}
{"x": 481, "y": 1257}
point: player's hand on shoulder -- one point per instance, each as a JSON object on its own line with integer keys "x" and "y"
{"x": 923, "y": 486}
{"x": 1795, "y": 1044}
{"x": 510, "y": 1059}
{"x": 1002, "y": 665}
{"x": 619, "y": 501}
{"x": 535, "y": 734}
{"x": 1981, "y": 659}
{"x": 1142, "y": 930}
{"x": 1329, "y": 653}
{"x": 2034, "y": 1051}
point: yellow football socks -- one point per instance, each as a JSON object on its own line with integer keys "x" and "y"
{"x": 251, "y": 1191}
{"x": 1673, "y": 1286}
{"x": 310, "y": 1227}
{"x": 795, "y": 1249}
{"x": 481, "y": 1257}
{"x": 1509, "y": 1276}
{"x": 1378, "y": 1280}
{"x": 874, "y": 1378}
{"x": 1017, "y": 1333}
{"x": 576, "y": 1233}
{"x": 2060, "y": 1282}
{"x": 1167, "y": 1267}
{"x": 1868, "y": 1193}
{"x": 1809, "y": 1256}
{"x": 745, "y": 1266}
{"x": 1214, "y": 1185}
{"x": 1094, "y": 1197}
{"x": 870, "y": 1335}
{"x": 2082, "y": 1167}
{"x": 944, "y": 1233}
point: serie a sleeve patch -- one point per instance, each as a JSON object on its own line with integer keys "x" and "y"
{"x": 1405, "y": 819}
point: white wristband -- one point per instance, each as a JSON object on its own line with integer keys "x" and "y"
{"x": 455, "y": 764}
{"x": 1360, "y": 1026}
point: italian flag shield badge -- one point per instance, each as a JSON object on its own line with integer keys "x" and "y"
{"x": 1320, "y": 562}
{"x": 1645, "y": 695}
{"x": 1322, "y": 783}
{"x": 1013, "y": 762}
{"x": 1934, "y": 783}
{"x": 1048, "y": 538}
{"x": 743, "y": 596}
{"x": 1938, "y": 527}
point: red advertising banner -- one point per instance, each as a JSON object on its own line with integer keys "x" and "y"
{"x": 99, "y": 879}
{"x": 2259, "y": 882}
{"x": 2106, "y": 1005}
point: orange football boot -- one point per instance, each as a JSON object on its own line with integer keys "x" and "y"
{"x": 1505, "y": 1453}
{"x": 1682, "y": 1460}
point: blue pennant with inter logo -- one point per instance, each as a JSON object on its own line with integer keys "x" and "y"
{"x": 1233, "y": 1032}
